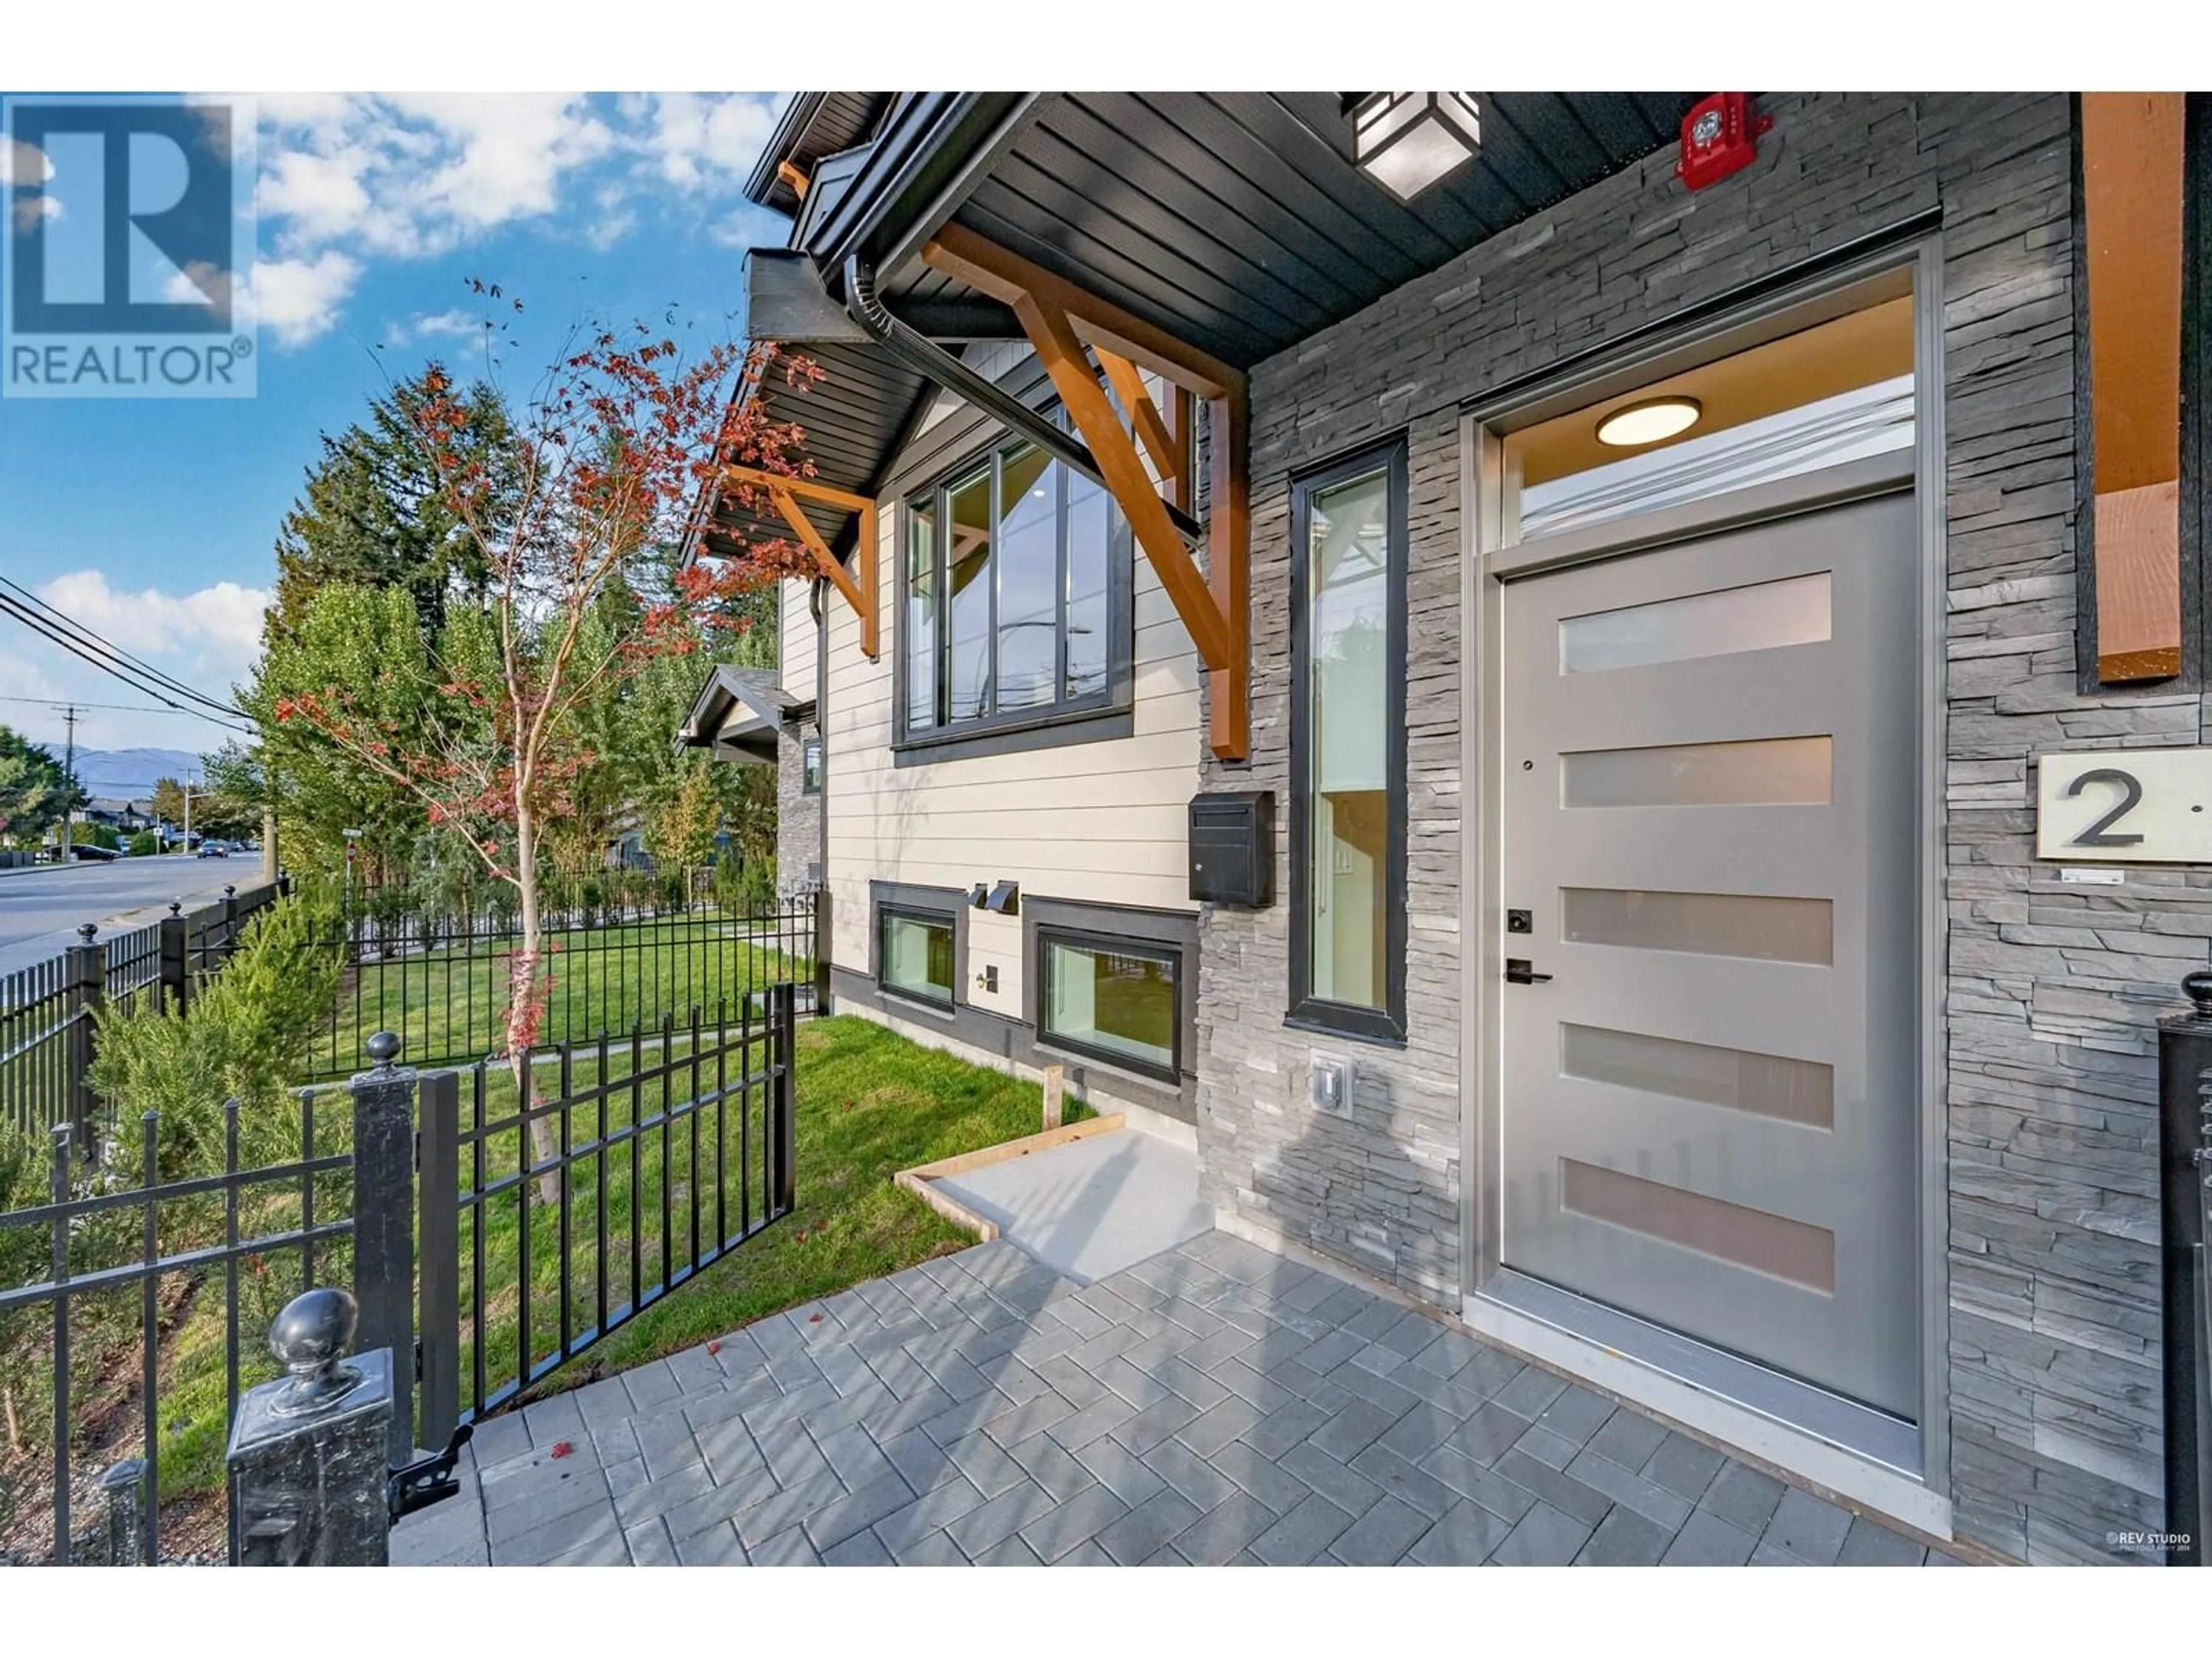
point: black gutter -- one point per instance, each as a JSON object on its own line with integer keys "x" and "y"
{"x": 930, "y": 361}
{"x": 921, "y": 149}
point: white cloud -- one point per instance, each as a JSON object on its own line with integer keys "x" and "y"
{"x": 213, "y": 628}
{"x": 22, "y": 165}
{"x": 208, "y": 638}
{"x": 300, "y": 300}
{"x": 368, "y": 177}
{"x": 29, "y": 209}
{"x": 696, "y": 140}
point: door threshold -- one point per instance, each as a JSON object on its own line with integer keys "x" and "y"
{"x": 1860, "y": 1454}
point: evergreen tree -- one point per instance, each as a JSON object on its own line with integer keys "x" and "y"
{"x": 375, "y": 513}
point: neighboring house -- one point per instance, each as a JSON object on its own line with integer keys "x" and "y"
{"x": 124, "y": 816}
{"x": 748, "y": 716}
{"x": 1509, "y": 717}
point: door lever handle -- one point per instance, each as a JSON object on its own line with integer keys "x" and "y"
{"x": 1519, "y": 970}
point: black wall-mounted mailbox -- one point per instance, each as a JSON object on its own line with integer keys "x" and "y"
{"x": 1232, "y": 847}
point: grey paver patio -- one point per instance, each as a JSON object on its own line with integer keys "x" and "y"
{"x": 1211, "y": 1404}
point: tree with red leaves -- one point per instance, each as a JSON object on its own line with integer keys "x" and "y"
{"x": 618, "y": 452}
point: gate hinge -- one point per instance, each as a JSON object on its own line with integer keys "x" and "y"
{"x": 418, "y": 1360}
{"x": 427, "y": 1480}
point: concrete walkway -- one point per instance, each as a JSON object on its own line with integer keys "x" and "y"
{"x": 1213, "y": 1404}
{"x": 1091, "y": 1207}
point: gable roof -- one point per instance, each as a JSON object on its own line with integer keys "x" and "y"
{"x": 737, "y": 714}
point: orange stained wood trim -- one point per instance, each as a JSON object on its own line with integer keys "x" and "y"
{"x": 1144, "y": 414}
{"x": 1064, "y": 358}
{"x": 2131, "y": 172}
{"x": 794, "y": 178}
{"x": 1229, "y": 531}
{"x": 1007, "y": 276}
{"x": 1186, "y": 437}
{"x": 861, "y": 595}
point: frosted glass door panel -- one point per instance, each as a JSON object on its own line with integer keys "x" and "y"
{"x": 1760, "y": 617}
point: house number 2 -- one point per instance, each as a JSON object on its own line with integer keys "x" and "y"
{"x": 2125, "y": 806}
{"x": 2099, "y": 833}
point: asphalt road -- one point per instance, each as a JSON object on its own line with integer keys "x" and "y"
{"x": 41, "y": 908}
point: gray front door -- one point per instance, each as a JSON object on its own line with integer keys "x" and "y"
{"x": 1709, "y": 1114}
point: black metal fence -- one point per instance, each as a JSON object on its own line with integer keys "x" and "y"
{"x": 495, "y": 1221}
{"x": 105, "y": 1286}
{"x": 561, "y": 1200}
{"x": 442, "y": 980}
{"x": 48, "y": 1010}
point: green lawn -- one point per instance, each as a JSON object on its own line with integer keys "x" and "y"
{"x": 869, "y": 1103}
{"x": 449, "y": 1005}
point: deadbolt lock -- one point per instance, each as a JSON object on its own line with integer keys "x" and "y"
{"x": 1520, "y": 921}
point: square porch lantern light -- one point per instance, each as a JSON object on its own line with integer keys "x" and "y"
{"x": 1406, "y": 141}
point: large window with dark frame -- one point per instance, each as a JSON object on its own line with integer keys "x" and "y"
{"x": 1118, "y": 1000}
{"x": 1348, "y": 746}
{"x": 1012, "y": 607}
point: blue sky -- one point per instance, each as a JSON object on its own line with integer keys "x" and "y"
{"x": 152, "y": 521}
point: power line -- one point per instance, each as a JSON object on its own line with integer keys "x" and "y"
{"x": 225, "y": 716}
{"x": 109, "y": 648}
{"x": 126, "y": 707}
{"x": 105, "y": 647}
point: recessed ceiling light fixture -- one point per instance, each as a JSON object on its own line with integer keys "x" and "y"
{"x": 1649, "y": 422}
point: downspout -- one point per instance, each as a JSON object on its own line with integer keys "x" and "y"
{"x": 933, "y": 362}
{"x": 822, "y": 928}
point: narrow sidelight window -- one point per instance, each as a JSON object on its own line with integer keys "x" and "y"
{"x": 810, "y": 766}
{"x": 1348, "y": 746}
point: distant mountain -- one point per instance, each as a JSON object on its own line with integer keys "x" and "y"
{"x": 132, "y": 772}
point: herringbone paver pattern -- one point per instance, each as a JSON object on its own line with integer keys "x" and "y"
{"x": 1214, "y": 1404}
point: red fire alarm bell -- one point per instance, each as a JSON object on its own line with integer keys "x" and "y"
{"x": 1720, "y": 135}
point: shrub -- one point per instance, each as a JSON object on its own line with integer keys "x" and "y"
{"x": 243, "y": 1035}
{"x": 145, "y": 844}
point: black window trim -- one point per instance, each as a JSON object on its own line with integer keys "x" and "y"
{"x": 958, "y": 739}
{"x": 811, "y": 776}
{"x": 931, "y": 904}
{"x": 1049, "y": 934}
{"x": 1308, "y": 1012}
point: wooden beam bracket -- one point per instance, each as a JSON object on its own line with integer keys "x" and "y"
{"x": 1065, "y": 326}
{"x": 785, "y": 495}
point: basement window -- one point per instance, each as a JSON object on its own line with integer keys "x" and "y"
{"x": 1112, "y": 999}
{"x": 916, "y": 954}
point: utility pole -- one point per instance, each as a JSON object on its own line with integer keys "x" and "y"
{"x": 69, "y": 773}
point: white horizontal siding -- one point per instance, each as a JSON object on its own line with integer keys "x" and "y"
{"x": 795, "y": 651}
{"x": 1103, "y": 822}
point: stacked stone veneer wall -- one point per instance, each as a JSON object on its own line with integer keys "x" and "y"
{"x": 797, "y": 816}
{"x": 2053, "y": 1294}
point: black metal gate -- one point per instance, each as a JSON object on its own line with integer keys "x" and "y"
{"x": 584, "y": 1188}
